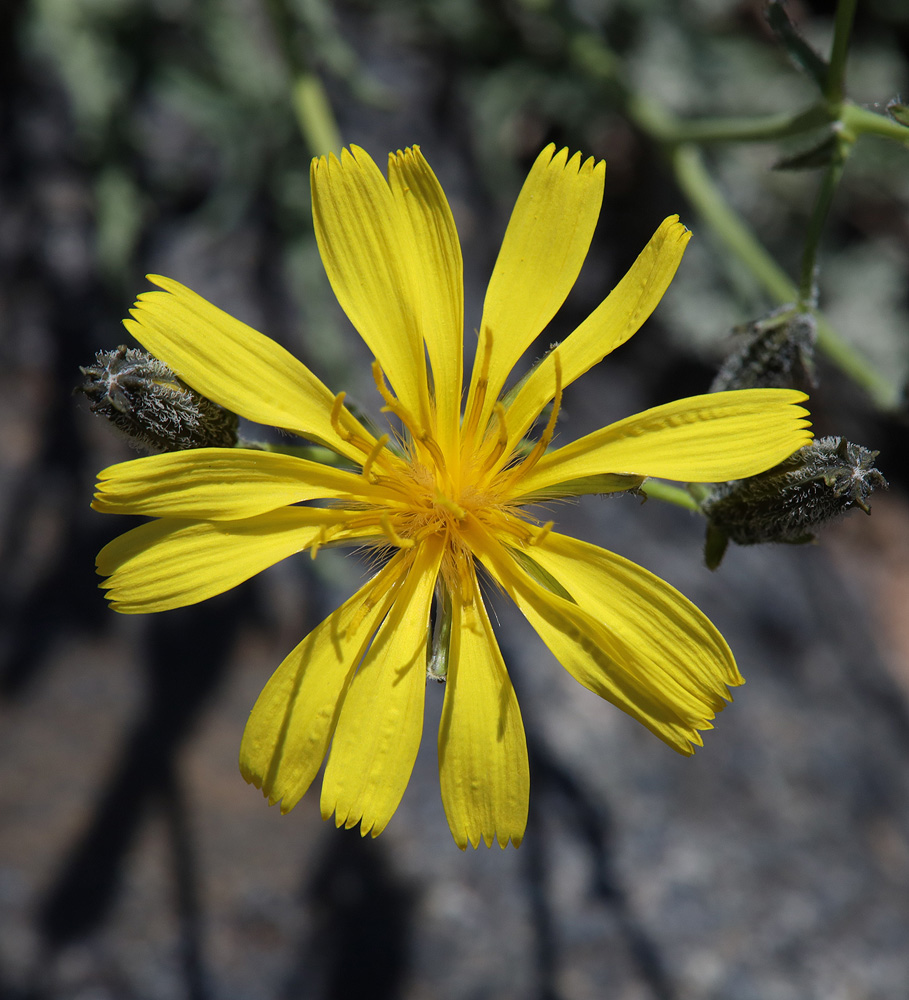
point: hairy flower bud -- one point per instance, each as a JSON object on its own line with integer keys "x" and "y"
{"x": 142, "y": 397}
{"x": 777, "y": 352}
{"x": 785, "y": 503}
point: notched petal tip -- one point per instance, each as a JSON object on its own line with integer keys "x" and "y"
{"x": 274, "y": 796}
{"x": 473, "y": 838}
{"x": 370, "y": 826}
{"x": 122, "y": 608}
{"x": 354, "y": 157}
{"x": 407, "y": 154}
{"x": 671, "y": 231}
{"x": 325, "y": 166}
{"x": 573, "y": 164}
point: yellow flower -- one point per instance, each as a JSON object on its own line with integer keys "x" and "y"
{"x": 439, "y": 496}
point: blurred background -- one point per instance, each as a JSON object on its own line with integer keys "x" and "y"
{"x": 165, "y": 136}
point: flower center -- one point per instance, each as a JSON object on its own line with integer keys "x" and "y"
{"x": 462, "y": 497}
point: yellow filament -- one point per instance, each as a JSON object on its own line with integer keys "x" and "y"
{"x": 465, "y": 585}
{"x": 481, "y": 384}
{"x": 430, "y": 443}
{"x": 371, "y": 595}
{"x": 393, "y": 536}
{"x": 326, "y": 534}
{"x": 336, "y": 408}
{"x": 537, "y": 538}
{"x": 539, "y": 449}
{"x": 393, "y": 405}
{"x": 371, "y": 458}
{"x": 337, "y": 412}
{"x": 495, "y": 450}
{"x": 417, "y": 432}
{"x": 501, "y": 441}
{"x": 442, "y": 501}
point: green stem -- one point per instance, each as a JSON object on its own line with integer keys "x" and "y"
{"x": 829, "y": 184}
{"x": 437, "y": 652}
{"x": 678, "y": 138}
{"x": 834, "y": 91}
{"x": 310, "y": 102}
{"x": 665, "y": 128}
{"x": 705, "y": 196}
{"x": 707, "y": 200}
{"x": 836, "y": 72}
{"x": 860, "y": 121}
{"x": 656, "y": 490}
{"x": 314, "y": 116}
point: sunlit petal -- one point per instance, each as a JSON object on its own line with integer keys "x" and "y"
{"x": 659, "y": 695}
{"x": 648, "y": 614}
{"x": 291, "y": 725}
{"x": 438, "y": 281}
{"x": 482, "y": 751}
{"x": 378, "y": 735}
{"x": 235, "y": 365}
{"x": 613, "y": 322}
{"x": 170, "y": 563}
{"x": 701, "y": 439}
{"x": 544, "y": 247}
{"x": 221, "y": 484}
{"x": 371, "y": 268}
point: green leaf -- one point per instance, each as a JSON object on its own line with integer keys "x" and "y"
{"x": 798, "y": 50}
{"x": 820, "y": 155}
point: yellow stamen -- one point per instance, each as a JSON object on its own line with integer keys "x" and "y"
{"x": 539, "y": 449}
{"x": 373, "y": 595}
{"x": 501, "y": 442}
{"x": 336, "y": 408}
{"x": 432, "y": 446}
{"x": 327, "y": 533}
{"x": 392, "y": 404}
{"x": 372, "y": 456}
{"x": 337, "y": 413}
{"x": 481, "y": 384}
{"x": 465, "y": 585}
{"x": 393, "y": 536}
{"x": 418, "y": 432}
{"x": 442, "y": 501}
{"x": 537, "y": 537}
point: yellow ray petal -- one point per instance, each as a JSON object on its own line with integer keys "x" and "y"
{"x": 618, "y": 665}
{"x": 361, "y": 230}
{"x": 649, "y": 615}
{"x": 701, "y": 439}
{"x": 170, "y": 563}
{"x": 439, "y": 282}
{"x": 544, "y": 247}
{"x": 613, "y": 322}
{"x": 482, "y": 751}
{"x": 378, "y": 734}
{"x": 289, "y": 729}
{"x": 235, "y": 365}
{"x": 221, "y": 484}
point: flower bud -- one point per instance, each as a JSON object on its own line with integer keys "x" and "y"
{"x": 777, "y": 352}
{"x": 785, "y": 503}
{"x": 142, "y": 397}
